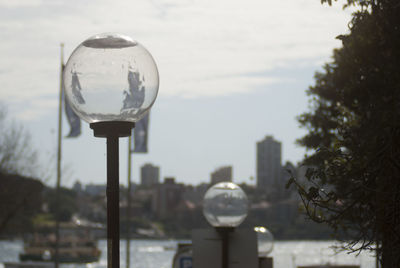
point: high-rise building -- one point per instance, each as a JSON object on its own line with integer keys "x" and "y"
{"x": 269, "y": 154}
{"x": 221, "y": 174}
{"x": 149, "y": 175}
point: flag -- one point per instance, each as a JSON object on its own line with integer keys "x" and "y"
{"x": 73, "y": 120}
{"x": 140, "y": 135}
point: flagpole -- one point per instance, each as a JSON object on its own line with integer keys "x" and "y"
{"x": 59, "y": 157}
{"x": 128, "y": 207}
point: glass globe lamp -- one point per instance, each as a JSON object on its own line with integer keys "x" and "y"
{"x": 265, "y": 241}
{"x": 225, "y": 205}
{"x": 110, "y": 77}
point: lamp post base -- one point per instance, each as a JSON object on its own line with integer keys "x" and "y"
{"x": 112, "y": 128}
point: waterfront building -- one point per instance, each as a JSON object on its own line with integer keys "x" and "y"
{"x": 77, "y": 187}
{"x": 149, "y": 175}
{"x": 167, "y": 197}
{"x": 221, "y": 174}
{"x": 195, "y": 194}
{"x": 269, "y": 169}
{"x": 95, "y": 189}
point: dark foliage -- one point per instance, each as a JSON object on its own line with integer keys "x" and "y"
{"x": 20, "y": 199}
{"x": 354, "y": 134}
{"x": 17, "y": 155}
{"x": 63, "y": 208}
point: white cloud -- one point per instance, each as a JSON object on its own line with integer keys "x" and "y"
{"x": 20, "y": 3}
{"x": 203, "y": 48}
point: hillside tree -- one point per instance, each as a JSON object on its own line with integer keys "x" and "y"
{"x": 17, "y": 155}
{"x": 18, "y": 164}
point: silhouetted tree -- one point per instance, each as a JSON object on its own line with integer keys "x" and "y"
{"x": 18, "y": 162}
{"x": 17, "y": 155}
{"x": 66, "y": 205}
{"x": 20, "y": 200}
{"x": 354, "y": 134}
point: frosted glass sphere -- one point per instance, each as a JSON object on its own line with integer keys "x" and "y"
{"x": 110, "y": 77}
{"x": 265, "y": 241}
{"x": 225, "y": 205}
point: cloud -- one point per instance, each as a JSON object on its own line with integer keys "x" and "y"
{"x": 203, "y": 48}
{"x": 20, "y": 3}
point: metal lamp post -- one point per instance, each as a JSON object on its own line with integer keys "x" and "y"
{"x": 225, "y": 207}
{"x": 111, "y": 81}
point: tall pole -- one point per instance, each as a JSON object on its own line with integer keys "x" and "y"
{"x": 112, "y": 130}
{"x": 225, "y": 245}
{"x": 59, "y": 157}
{"x": 113, "y": 201}
{"x": 224, "y": 235}
{"x": 128, "y": 207}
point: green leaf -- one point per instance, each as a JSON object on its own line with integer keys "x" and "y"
{"x": 313, "y": 193}
{"x": 289, "y": 183}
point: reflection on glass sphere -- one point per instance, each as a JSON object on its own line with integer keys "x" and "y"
{"x": 265, "y": 241}
{"x": 225, "y": 205}
{"x": 110, "y": 77}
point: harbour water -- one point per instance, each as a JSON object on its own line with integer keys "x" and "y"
{"x": 159, "y": 254}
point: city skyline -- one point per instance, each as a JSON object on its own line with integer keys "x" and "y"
{"x": 230, "y": 73}
{"x": 269, "y": 172}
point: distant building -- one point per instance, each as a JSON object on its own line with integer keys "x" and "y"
{"x": 77, "y": 187}
{"x": 168, "y": 196}
{"x": 149, "y": 175}
{"x": 221, "y": 174}
{"x": 269, "y": 170}
{"x": 95, "y": 189}
{"x": 195, "y": 194}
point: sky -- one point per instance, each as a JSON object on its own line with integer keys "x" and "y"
{"x": 231, "y": 73}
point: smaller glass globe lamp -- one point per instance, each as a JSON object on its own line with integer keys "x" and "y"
{"x": 265, "y": 241}
{"x": 225, "y": 205}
